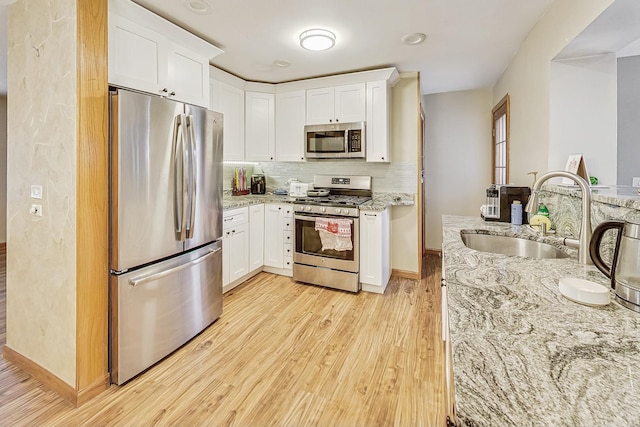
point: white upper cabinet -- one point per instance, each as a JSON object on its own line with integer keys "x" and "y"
{"x": 152, "y": 55}
{"x": 188, "y": 76}
{"x": 290, "y": 120}
{"x": 378, "y": 121}
{"x": 136, "y": 55}
{"x": 260, "y": 135}
{"x": 230, "y": 103}
{"x": 339, "y": 104}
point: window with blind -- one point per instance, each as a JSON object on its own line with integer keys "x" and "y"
{"x": 500, "y": 144}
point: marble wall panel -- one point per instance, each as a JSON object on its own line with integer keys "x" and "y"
{"x": 41, "y": 299}
{"x": 565, "y": 211}
{"x": 386, "y": 177}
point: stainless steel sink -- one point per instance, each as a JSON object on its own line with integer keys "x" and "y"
{"x": 513, "y": 246}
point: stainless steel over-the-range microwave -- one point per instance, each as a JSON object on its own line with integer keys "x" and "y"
{"x": 335, "y": 141}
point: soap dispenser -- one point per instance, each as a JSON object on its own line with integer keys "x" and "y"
{"x": 516, "y": 212}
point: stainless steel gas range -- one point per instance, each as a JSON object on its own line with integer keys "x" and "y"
{"x": 327, "y": 232}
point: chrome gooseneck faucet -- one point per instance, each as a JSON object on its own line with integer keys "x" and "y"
{"x": 585, "y": 224}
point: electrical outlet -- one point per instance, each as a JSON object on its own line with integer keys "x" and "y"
{"x": 36, "y": 191}
{"x": 36, "y": 210}
{"x": 636, "y": 181}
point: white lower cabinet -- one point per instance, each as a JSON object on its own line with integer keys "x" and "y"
{"x": 375, "y": 259}
{"x": 278, "y": 237}
{"x": 235, "y": 245}
{"x": 256, "y": 236}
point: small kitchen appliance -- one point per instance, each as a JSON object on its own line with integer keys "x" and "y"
{"x": 337, "y": 264}
{"x": 624, "y": 270}
{"x": 335, "y": 141}
{"x": 258, "y": 184}
{"x": 299, "y": 189}
{"x": 499, "y": 200}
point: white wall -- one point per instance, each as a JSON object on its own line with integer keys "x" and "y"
{"x": 3, "y": 168}
{"x": 583, "y": 114}
{"x": 458, "y": 156}
{"x": 628, "y": 122}
{"x": 527, "y": 80}
{"x": 405, "y": 124}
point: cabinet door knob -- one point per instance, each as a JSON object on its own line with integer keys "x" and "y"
{"x": 172, "y": 94}
{"x": 337, "y": 120}
{"x": 165, "y": 90}
{"x": 330, "y": 121}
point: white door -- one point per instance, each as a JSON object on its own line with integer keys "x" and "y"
{"x": 231, "y": 105}
{"x": 350, "y": 103}
{"x": 238, "y": 251}
{"x": 290, "y": 121}
{"x": 273, "y": 235}
{"x": 320, "y": 106}
{"x": 256, "y": 236}
{"x": 137, "y": 56}
{"x": 260, "y": 135}
{"x": 188, "y": 76}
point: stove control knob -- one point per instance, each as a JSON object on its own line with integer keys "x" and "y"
{"x": 323, "y": 209}
{"x": 308, "y": 208}
{"x": 339, "y": 211}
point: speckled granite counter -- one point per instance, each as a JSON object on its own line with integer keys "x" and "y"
{"x": 522, "y": 353}
{"x": 379, "y": 201}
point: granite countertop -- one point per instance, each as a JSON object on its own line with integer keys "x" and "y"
{"x": 617, "y": 195}
{"x": 379, "y": 201}
{"x": 525, "y": 355}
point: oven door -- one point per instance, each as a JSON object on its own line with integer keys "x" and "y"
{"x": 308, "y": 246}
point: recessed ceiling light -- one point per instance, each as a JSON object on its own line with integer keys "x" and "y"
{"x": 201, "y": 7}
{"x": 414, "y": 38}
{"x": 317, "y": 39}
{"x": 281, "y": 63}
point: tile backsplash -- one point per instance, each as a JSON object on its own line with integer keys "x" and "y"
{"x": 386, "y": 177}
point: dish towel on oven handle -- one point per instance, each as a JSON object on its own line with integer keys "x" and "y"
{"x": 335, "y": 234}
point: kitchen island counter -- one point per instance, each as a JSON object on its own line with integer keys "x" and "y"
{"x": 525, "y": 355}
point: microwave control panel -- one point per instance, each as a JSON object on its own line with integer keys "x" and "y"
{"x": 355, "y": 141}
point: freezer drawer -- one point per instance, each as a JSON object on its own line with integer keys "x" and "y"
{"x": 157, "y": 309}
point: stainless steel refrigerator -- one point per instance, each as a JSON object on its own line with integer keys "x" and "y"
{"x": 165, "y": 227}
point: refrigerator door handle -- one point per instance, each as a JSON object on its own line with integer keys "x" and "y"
{"x": 193, "y": 174}
{"x": 179, "y": 160}
{"x": 137, "y": 281}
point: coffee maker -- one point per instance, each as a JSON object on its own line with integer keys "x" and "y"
{"x": 258, "y": 184}
{"x": 499, "y": 200}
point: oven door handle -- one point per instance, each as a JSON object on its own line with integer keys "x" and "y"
{"x": 313, "y": 218}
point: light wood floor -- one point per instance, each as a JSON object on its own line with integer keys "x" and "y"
{"x": 281, "y": 354}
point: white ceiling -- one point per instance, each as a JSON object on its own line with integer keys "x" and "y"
{"x": 469, "y": 42}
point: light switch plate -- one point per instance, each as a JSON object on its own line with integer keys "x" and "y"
{"x": 36, "y": 191}
{"x": 636, "y": 181}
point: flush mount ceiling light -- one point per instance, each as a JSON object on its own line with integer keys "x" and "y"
{"x": 414, "y": 38}
{"x": 317, "y": 39}
{"x": 201, "y": 7}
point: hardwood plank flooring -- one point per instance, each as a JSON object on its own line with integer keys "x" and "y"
{"x": 282, "y": 354}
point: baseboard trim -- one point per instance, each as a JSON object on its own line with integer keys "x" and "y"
{"x": 406, "y": 274}
{"x": 52, "y": 382}
{"x": 85, "y": 395}
{"x": 46, "y": 378}
{"x": 433, "y": 252}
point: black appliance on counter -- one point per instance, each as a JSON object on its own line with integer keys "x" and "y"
{"x": 499, "y": 200}
{"x": 258, "y": 184}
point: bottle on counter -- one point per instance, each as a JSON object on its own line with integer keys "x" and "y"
{"x": 516, "y": 212}
{"x": 543, "y": 210}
